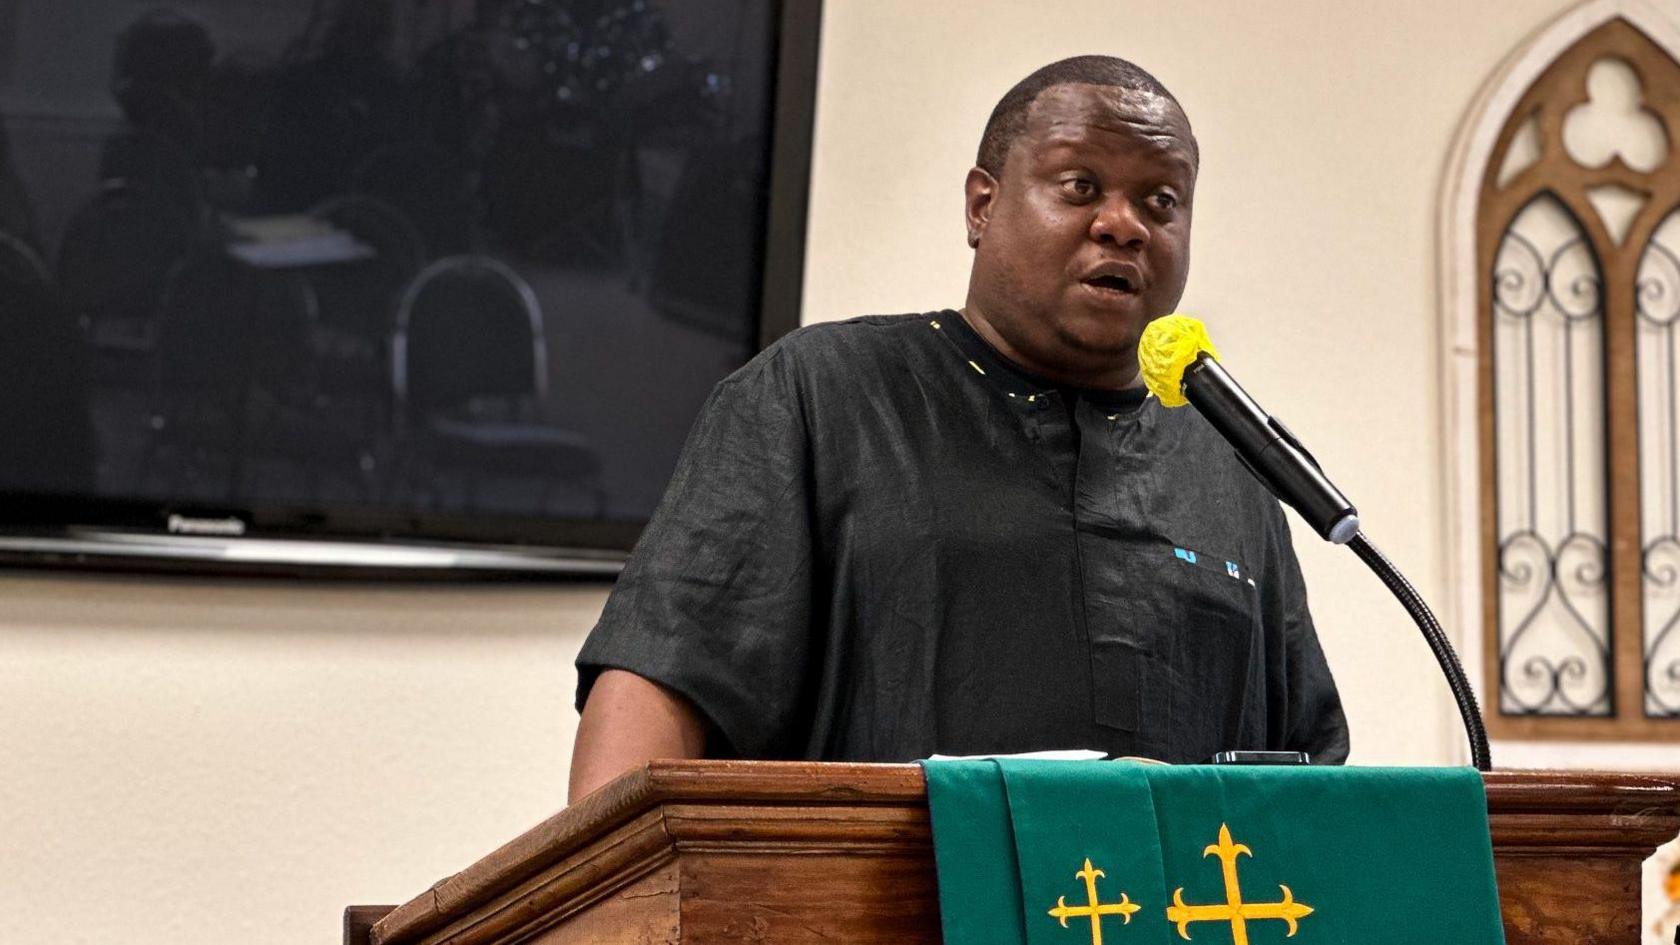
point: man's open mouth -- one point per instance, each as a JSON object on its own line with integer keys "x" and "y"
{"x": 1112, "y": 284}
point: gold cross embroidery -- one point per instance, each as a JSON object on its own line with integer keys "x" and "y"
{"x": 1124, "y": 908}
{"x": 1234, "y": 911}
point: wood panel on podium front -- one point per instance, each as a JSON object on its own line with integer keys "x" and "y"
{"x": 703, "y": 852}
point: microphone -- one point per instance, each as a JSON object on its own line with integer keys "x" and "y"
{"x": 1179, "y": 365}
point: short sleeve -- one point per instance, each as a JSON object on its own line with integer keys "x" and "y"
{"x": 715, "y": 600}
{"x": 1312, "y": 707}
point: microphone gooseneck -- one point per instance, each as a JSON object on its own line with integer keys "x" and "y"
{"x": 1438, "y": 644}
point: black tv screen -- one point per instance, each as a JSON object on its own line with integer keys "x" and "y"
{"x": 382, "y": 283}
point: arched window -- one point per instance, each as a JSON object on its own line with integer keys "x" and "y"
{"x": 1564, "y": 385}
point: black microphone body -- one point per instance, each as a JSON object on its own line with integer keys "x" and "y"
{"x": 1269, "y": 450}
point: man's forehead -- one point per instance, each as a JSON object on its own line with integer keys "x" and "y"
{"x": 1073, "y": 110}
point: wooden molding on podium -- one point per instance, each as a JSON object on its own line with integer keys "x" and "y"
{"x": 795, "y": 852}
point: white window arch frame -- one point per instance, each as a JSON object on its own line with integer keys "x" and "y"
{"x": 1458, "y": 282}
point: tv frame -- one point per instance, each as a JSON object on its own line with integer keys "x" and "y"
{"x": 137, "y": 536}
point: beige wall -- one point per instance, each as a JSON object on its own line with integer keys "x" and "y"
{"x": 187, "y": 761}
{"x": 178, "y": 756}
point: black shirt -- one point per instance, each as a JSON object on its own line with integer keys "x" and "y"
{"x": 883, "y": 540}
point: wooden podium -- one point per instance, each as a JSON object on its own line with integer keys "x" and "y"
{"x": 775, "y": 853}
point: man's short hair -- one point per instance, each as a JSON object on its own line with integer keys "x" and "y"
{"x": 1009, "y": 118}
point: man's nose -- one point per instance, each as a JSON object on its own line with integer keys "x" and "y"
{"x": 1117, "y": 220}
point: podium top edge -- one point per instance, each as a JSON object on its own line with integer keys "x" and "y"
{"x": 815, "y": 785}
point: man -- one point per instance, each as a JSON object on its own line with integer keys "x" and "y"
{"x": 972, "y": 532}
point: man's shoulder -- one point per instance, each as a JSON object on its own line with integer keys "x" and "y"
{"x": 841, "y": 349}
{"x": 862, "y": 333}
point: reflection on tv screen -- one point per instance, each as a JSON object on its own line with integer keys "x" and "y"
{"x": 459, "y": 256}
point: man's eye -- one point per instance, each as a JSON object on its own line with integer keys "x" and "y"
{"x": 1079, "y": 186}
{"x": 1165, "y": 201}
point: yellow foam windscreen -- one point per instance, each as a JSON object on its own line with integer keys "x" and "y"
{"x": 1168, "y": 346}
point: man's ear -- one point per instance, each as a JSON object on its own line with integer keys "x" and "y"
{"x": 979, "y": 190}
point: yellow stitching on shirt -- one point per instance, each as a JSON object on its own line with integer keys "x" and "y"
{"x": 935, "y": 324}
{"x": 977, "y": 368}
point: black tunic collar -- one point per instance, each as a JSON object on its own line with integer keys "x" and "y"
{"x": 1019, "y": 383}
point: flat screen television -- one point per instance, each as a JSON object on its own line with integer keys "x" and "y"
{"x": 354, "y": 287}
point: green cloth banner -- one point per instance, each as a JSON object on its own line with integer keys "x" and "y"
{"x": 1070, "y": 853}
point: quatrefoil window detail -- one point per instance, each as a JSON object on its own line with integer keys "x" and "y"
{"x": 1614, "y": 121}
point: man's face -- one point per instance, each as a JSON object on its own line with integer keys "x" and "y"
{"x": 1086, "y": 236}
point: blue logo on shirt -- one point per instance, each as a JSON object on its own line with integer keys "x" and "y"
{"x": 1231, "y": 569}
